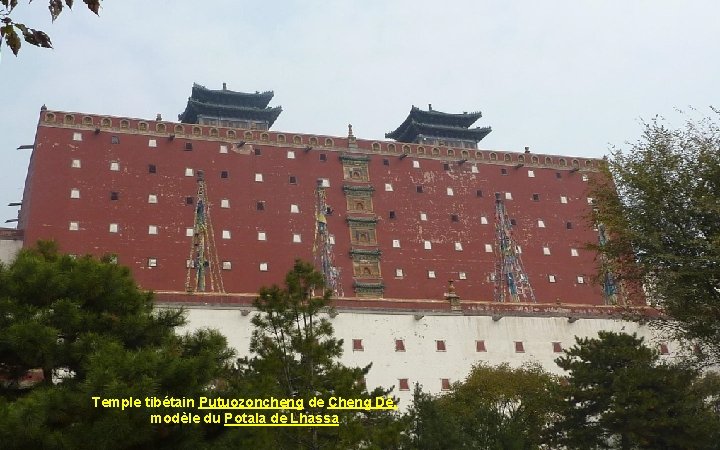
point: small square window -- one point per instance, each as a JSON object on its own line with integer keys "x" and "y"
{"x": 295, "y": 209}
{"x": 573, "y": 252}
{"x": 226, "y": 234}
{"x": 450, "y": 191}
{"x": 113, "y": 228}
{"x": 324, "y": 182}
{"x": 488, "y": 248}
{"x": 323, "y": 157}
{"x": 458, "y": 246}
{"x": 418, "y": 189}
{"x": 262, "y": 236}
{"x": 581, "y": 280}
{"x": 483, "y": 220}
{"x": 74, "y": 193}
{"x": 431, "y": 274}
{"x": 75, "y": 164}
{"x": 189, "y": 200}
{"x": 77, "y": 136}
{"x": 440, "y": 346}
{"x": 480, "y": 346}
{"x": 479, "y": 193}
{"x": 263, "y": 267}
{"x": 591, "y": 201}
{"x": 404, "y": 384}
{"x": 551, "y": 278}
{"x": 664, "y": 350}
{"x": 224, "y": 174}
{"x": 557, "y": 347}
{"x": 224, "y": 203}
{"x": 563, "y": 199}
{"x": 399, "y": 345}
{"x": 226, "y": 265}
{"x": 114, "y": 195}
{"x": 258, "y": 177}
{"x": 445, "y": 384}
{"x": 546, "y": 250}
{"x": 152, "y": 262}
{"x": 152, "y": 198}
{"x": 513, "y": 222}
{"x": 260, "y": 206}
{"x": 416, "y": 164}
{"x": 454, "y": 218}
{"x": 584, "y": 177}
{"x": 152, "y": 168}
{"x": 396, "y": 243}
{"x": 386, "y": 162}
{"x": 503, "y": 171}
{"x": 292, "y": 179}
{"x": 531, "y": 174}
{"x": 152, "y": 143}
{"x": 152, "y": 229}
{"x": 392, "y": 215}
{"x": 297, "y": 238}
{"x": 462, "y": 275}
{"x": 508, "y": 196}
{"x": 388, "y": 187}
{"x": 446, "y": 166}
{"x": 519, "y": 347}
{"x": 331, "y": 239}
{"x": 518, "y": 249}
{"x": 399, "y": 273}
{"x": 74, "y": 226}
{"x": 188, "y": 172}
{"x": 568, "y": 225}
{"x": 188, "y": 146}
{"x": 558, "y": 175}
{"x": 423, "y": 216}
{"x": 189, "y": 232}
{"x": 474, "y": 169}
{"x": 290, "y": 154}
{"x": 223, "y": 149}
{"x": 541, "y": 223}
{"x": 536, "y": 197}
{"x": 189, "y": 263}
{"x": 357, "y": 345}
{"x": 114, "y": 166}
{"x": 498, "y": 196}
{"x": 428, "y": 245}
{"x": 258, "y": 151}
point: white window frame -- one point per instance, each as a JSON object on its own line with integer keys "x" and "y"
{"x": 226, "y": 234}
{"x": 261, "y": 236}
{"x": 458, "y": 246}
{"x": 541, "y": 223}
{"x": 74, "y": 193}
{"x": 427, "y": 245}
{"x": 75, "y": 164}
{"x": 488, "y": 248}
{"x": 483, "y": 220}
{"x": 551, "y": 279}
{"x": 77, "y": 136}
{"x": 416, "y": 164}
{"x": 223, "y": 149}
{"x": 264, "y": 267}
{"x": 431, "y": 274}
{"x": 574, "y": 252}
{"x": 152, "y": 143}
{"x": 259, "y": 177}
{"x": 114, "y": 166}
{"x": 508, "y": 196}
{"x": 450, "y": 192}
{"x": 546, "y": 250}
{"x": 74, "y": 226}
{"x": 388, "y": 187}
{"x": 531, "y": 174}
{"x": 297, "y": 238}
{"x": 152, "y": 198}
{"x": 113, "y": 228}
{"x": 224, "y": 203}
{"x": 290, "y": 154}
{"x": 294, "y": 209}
{"x": 189, "y": 172}
{"x": 152, "y": 229}
{"x": 189, "y": 232}
{"x": 423, "y": 216}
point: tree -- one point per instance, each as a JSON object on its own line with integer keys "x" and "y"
{"x": 618, "y": 395}
{"x": 10, "y": 31}
{"x": 92, "y": 332}
{"x": 295, "y": 356}
{"x": 494, "y": 408}
{"x": 662, "y": 216}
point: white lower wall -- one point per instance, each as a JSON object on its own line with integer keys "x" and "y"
{"x": 8, "y": 249}
{"x": 421, "y": 362}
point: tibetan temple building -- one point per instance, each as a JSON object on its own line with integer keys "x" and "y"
{"x": 462, "y": 254}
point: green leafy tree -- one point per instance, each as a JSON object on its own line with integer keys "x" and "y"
{"x": 662, "y": 215}
{"x": 295, "y": 355}
{"x": 13, "y": 33}
{"x": 92, "y": 332}
{"x": 618, "y": 395}
{"x": 494, "y": 408}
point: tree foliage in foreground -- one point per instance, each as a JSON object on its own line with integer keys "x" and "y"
{"x": 618, "y": 395}
{"x": 664, "y": 224}
{"x": 13, "y": 33}
{"x": 90, "y": 329}
{"x": 295, "y": 355}
{"x": 494, "y": 408}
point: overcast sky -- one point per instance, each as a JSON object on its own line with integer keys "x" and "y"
{"x": 571, "y": 77}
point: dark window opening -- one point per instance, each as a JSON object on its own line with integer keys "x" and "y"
{"x": 513, "y": 222}
{"x": 503, "y": 171}
{"x": 189, "y": 200}
{"x": 479, "y": 193}
{"x": 446, "y": 166}
{"x": 399, "y": 345}
{"x": 445, "y": 384}
{"x": 519, "y": 347}
{"x": 454, "y": 217}
{"x": 323, "y": 157}
{"x": 392, "y": 214}
{"x": 258, "y": 151}
{"x": 114, "y": 196}
{"x": 568, "y": 225}
{"x": 260, "y": 206}
{"x": 536, "y": 197}
{"x": 152, "y": 168}
{"x": 440, "y": 346}
{"x": 557, "y": 347}
{"x": 357, "y": 345}
{"x": 480, "y": 346}
{"x": 114, "y": 140}
{"x": 293, "y": 179}
{"x": 419, "y": 189}
{"x": 558, "y": 175}
{"x": 188, "y": 146}
{"x": 497, "y": 196}
{"x": 386, "y": 162}
{"x": 404, "y": 384}
{"x": 224, "y": 174}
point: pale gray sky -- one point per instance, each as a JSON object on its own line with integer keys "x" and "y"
{"x": 565, "y": 77}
